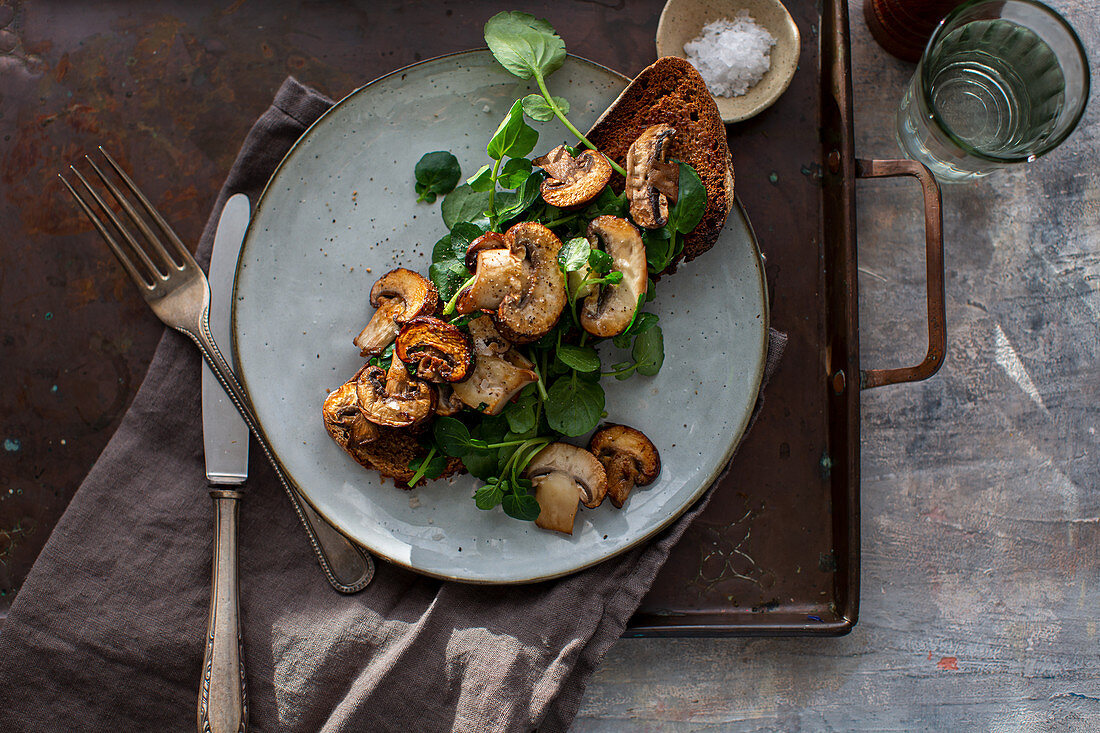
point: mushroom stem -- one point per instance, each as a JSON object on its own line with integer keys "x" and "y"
{"x": 557, "y": 113}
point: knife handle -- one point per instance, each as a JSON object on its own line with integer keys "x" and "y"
{"x": 348, "y": 567}
{"x": 223, "y": 707}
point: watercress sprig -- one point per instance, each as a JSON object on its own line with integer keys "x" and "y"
{"x": 506, "y": 485}
{"x": 528, "y": 47}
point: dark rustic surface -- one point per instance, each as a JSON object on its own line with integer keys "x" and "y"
{"x": 981, "y": 561}
{"x": 170, "y": 88}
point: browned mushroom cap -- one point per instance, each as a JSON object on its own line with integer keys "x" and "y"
{"x": 573, "y": 181}
{"x": 524, "y": 315}
{"x": 399, "y": 296}
{"x": 497, "y": 271}
{"x": 442, "y": 352}
{"x": 499, "y": 372}
{"x": 562, "y": 475}
{"x": 651, "y": 181}
{"x": 343, "y": 419}
{"x": 393, "y": 398}
{"x": 629, "y": 458}
{"x": 610, "y": 310}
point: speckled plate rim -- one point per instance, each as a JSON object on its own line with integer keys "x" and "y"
{"x": 704, "y": 485}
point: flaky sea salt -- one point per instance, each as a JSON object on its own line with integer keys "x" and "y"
{"x": 731, "y": 55}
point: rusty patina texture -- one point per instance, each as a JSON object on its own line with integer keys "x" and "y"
{"x": 172, "y": 88}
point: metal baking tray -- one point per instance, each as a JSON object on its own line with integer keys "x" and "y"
{"x": 777, "y": 551}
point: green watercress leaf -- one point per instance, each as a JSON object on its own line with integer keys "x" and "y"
{"x": 511, "y": 204}
{"x": 514, "y": 138}
{"x": 514, "y": 173}
{"x": 574, "y": 406}
{"x": 524, "y": 45}
{"x": 483, "y": 179}
{"x": 691, "y": 201}
{"x": 609, "y": 203}
{"x": 465, "y": 204}
{"x": 520, "y": 413}
{"x": 452, "y": 436}
{"x": 600, "y": 261}
{"x": 521, "y": 506}
{"x": 649, "y": 351}
{"x": 442, "y": 249}
{"x": 573, "y": 255}
{"x": 436, "y": 173}
{"x": 448, "y": 276}
{"x": 481, "y": 463}
{"x": 462, "y": 234}
{"x": 488, "y": 496}
{"x": 658, "y": 249}
{"x": 536, "y": 107}
{"x": 581, "y": 358}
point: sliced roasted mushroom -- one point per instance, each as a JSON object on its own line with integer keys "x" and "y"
{"x": 343, "y": 419}
{"x": 524, "y": 315}
{"x": 488, "y": 240}
{"x": 499, "y": 372}
{"x": 446, "y": 401}
{"x": 573, "y": 181}
{"x": 610, "y": 310}
{"x": 441, "y": 352}
{"x": 393, "y": 398}
{"x": 399, "y": 296}
{"x": 486, "y": 338}
{"x": 497, "y": 271}
{"x": 629, "y": 458}
{"x": 562, "y": 475}
{"x": 651, "y": 181}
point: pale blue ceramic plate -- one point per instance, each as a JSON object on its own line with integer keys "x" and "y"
{"x": 340, "y": 211}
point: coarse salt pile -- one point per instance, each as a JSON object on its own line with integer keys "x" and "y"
{"x": 731, "y": 55}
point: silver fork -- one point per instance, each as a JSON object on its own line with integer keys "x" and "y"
{"x": 176, "y": 289}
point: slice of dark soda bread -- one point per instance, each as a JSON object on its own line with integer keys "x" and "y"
{"x": 670, "y": 90}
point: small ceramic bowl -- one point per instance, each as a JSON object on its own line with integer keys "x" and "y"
{"x": 683, "y": 20}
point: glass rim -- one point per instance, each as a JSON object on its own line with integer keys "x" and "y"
{"x": 1050, "y": 143}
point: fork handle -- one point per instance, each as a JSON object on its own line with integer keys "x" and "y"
{"x": 223, "y": 707}
{"x": 347, "y": 566}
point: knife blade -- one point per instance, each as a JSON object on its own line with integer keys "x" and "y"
{"x": 222, "y": 706}
{"x": 224, "y": 433}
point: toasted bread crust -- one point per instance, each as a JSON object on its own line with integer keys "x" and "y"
{"x": 671, "y": 91}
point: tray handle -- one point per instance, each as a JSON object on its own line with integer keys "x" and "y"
{"x": 933, "y": 237}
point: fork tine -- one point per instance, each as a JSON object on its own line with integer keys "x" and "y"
{"x": 123, "y": 258}
{"x": 154, "y": 241}
{"x": 137, "y": 248}
{"x": 153, "y": 213}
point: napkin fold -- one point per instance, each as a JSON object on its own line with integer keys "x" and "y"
{"x": 106, "y": 632}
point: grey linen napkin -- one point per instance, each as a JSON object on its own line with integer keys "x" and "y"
{"x": 106, "y": 632}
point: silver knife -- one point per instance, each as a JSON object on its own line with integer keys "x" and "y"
{"x": 222, "y": 704}
{"x": 347, "y": 567}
